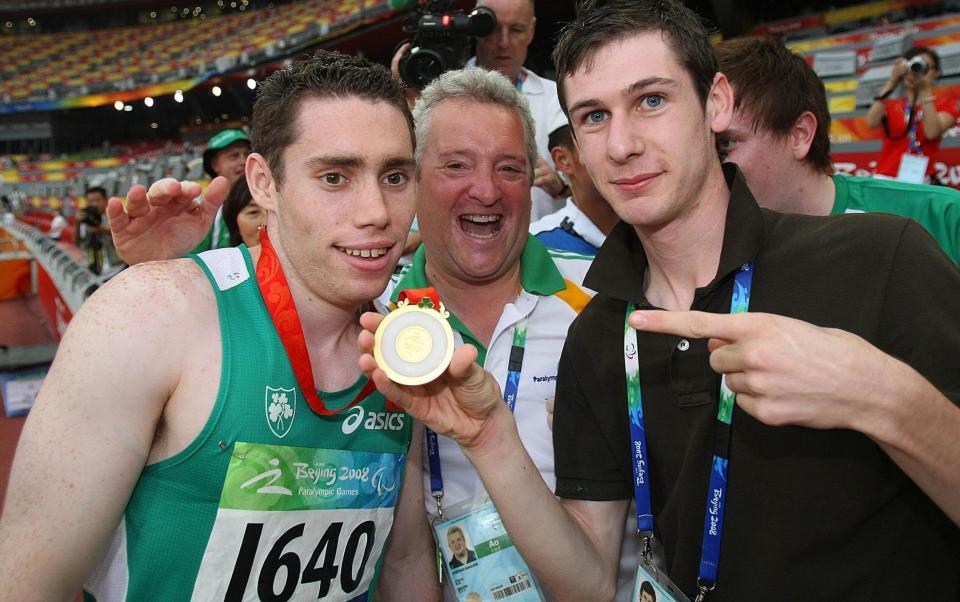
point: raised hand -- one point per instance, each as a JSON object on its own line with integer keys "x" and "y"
{"x": 464, "y": 403}
{"x": 165, "y": 221}
{"x": 546, "y": 178}
{"x": 783, "y": 370}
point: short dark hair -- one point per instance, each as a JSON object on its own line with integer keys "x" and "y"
{"x": 918, "y": 50}
{"x": 775, "y": 86}
{"x": 647, "y": 588}
{"x": 325, "y": 75}
{"x": 562, "y": 136}
{"x": 238, "y": 198}
{"x": 599, "y": 22}
{"x": 99, "y": 189}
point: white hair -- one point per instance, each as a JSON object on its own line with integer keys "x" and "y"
{"x": 479, "y": 85}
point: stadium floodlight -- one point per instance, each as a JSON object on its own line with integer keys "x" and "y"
{"x": 127, "y": 108}
{"x": 154, "y": 125}
{"x": 216, "y": 91}
{"x": 178, "y": 96}
{"x": 252, "y": 84}
{"x": 118, "y": 105}
{"x": 148, "y": 101}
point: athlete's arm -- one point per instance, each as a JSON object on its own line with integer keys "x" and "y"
{"x": 573, "y": 548}
{"x": 89, "y": 433}
{"x": 409, "y": 569}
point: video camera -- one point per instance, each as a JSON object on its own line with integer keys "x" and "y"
{"x": 441, "y": 40}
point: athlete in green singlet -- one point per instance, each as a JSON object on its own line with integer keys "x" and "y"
{"x": 209, "y": 448}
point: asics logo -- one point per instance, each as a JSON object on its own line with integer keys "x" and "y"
{"x": 372, "y": 421}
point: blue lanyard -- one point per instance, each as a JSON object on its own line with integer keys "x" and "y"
{"x": 717, "y": 492}
{"x": 510, "y": 389}
{"x": 913, "y": 125}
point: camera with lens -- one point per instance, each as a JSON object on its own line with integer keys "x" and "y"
{"x": 441, "y": 40}
{"x": 918, "y": 66}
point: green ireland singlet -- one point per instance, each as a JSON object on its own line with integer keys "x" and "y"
{"x": 271, "y": 501}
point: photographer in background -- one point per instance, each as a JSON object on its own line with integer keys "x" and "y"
{"x": 505, "y": 50}
{"x": 913, "y": 123}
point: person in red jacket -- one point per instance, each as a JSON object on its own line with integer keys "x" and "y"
{"x": 913, "y": 123}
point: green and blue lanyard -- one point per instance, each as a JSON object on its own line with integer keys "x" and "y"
{"x": 510, "y": 390}
{"x": 717, "y": 492}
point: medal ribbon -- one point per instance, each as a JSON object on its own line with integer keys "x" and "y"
{"x": 717, "y": 492}
{"x": 283, "y": 312}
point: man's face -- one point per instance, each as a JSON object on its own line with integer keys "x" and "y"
{"x": 506, "y": 48}
{"x": 229, "y": 162}
{"x": 765, "y": 159}
{"x": 645, "y": 597}
{"x": 96, "y": 200}
{"x": 641, "y": 129}
{"x": 457, "y": 544}
{"x": 474, "y": 192}
{"x": 347, "y": 199}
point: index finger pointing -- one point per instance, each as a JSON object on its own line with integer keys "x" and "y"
{"x": 691, "y": 324}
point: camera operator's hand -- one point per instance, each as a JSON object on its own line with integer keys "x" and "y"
{"x": 164, "y": 222}
{"x": 411, "y": 94}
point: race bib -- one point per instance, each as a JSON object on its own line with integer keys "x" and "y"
{"x": 297, "y": 523}
{"x": 482, "y": 563}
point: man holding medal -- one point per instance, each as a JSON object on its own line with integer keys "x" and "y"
{"x": 222, "y": 444}
{"x": 824, "y": 464}
{"x": 505, "y": 294}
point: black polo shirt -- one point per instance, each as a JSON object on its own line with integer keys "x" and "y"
{"x": 811, "y": 514}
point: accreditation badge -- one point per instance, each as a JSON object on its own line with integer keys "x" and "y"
{"x": 480, "y": 560}
{"x": 414, "y": 344}
{"x": 913, "y": 168}
{"x": 652, "y": 585}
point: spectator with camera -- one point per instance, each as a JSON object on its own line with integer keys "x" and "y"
{"x": 913, "y": 123}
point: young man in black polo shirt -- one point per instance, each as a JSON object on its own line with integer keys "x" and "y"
{"x": 844, "y": 464}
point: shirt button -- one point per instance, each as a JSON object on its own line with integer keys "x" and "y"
{"x": 683, "y": 345}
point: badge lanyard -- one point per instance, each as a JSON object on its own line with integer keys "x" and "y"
{"x": 717, "y": 492}
{"x": 510, "y": 390}
{"x": 913, "y": 123}
{"x": 283, "y": 312}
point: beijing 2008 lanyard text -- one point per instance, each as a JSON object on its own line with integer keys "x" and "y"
{"x": 647, "y": 575}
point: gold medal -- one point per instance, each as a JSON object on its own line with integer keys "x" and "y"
{"x": 414, "y": 344}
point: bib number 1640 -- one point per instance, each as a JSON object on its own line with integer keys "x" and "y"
{"x": 321, "y": 567}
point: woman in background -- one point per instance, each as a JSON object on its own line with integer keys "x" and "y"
{"x": 242, "y": 215}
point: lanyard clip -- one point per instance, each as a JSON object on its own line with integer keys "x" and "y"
{"x": 647, "y": 551}
{"x": 704, "y": 589}
{"x": 438, "y": 495}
